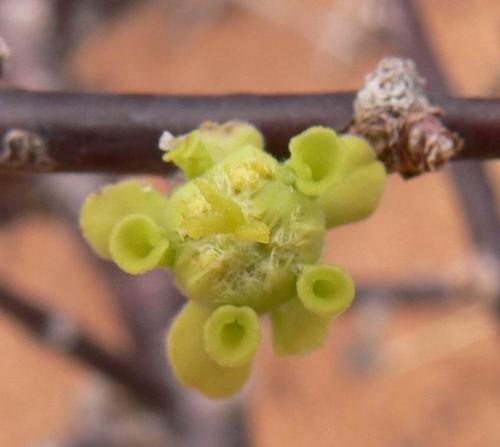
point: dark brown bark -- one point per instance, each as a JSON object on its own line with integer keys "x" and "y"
{"x": 68, "y": 132}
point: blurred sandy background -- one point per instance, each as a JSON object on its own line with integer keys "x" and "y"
{"x": 437, "y": 380}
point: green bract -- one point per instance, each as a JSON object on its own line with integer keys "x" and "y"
{"x": 243, "y": 237}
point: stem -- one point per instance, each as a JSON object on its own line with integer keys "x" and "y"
{"x": 61, "y": 332}
{"x": 4, "y": 54}
{"x": 69, "y": 132}
{"x": 470, "y": 179}
{"x": 429, "y": 290}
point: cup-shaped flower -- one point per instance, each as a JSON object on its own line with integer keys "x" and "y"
{"x": 325, "y": 290}
{"x": 190, "y": 361}
{"x": 297, "y": 331}
{"x": 358, "y": 189}
{"x": 137, "y": 244}
{"x": 104, "y": 209}
{"x": 232, "y": 335}
{"x": 200, "y": 149}
{"x": 315, "y": 158}
{"x": 190, "y": 155}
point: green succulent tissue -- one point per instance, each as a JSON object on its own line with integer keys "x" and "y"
{"x": 243, "y": 237}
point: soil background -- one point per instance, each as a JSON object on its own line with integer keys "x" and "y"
{"x": 433, "y": 378}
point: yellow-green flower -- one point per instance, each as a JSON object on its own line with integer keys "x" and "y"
{"x": 243, "y": 237}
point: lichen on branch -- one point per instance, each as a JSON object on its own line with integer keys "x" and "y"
{"x": 394, "y": 114}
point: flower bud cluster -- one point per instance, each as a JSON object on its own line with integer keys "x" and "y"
{"x": 243, "y": 237}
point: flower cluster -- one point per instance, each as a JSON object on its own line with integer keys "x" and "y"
{"x": 243, "y": 237}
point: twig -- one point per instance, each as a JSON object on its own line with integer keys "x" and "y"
{"x": 147, "y": 303}
{"x": 406, "y": 292}
{"x": 4, "y": 54}
{"x": 65, "y": 132}
{"x": 60, "y": 332}
{"x": 439, "y": 338}
{"x": 470, "y": 179}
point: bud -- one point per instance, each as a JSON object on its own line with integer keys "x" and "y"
{"x": 137, "y": 244}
